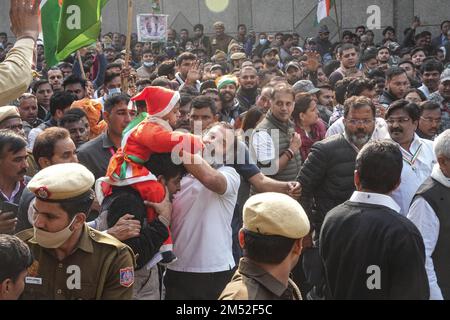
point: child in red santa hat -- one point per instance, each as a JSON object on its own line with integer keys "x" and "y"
{"x": 148, "y": 134}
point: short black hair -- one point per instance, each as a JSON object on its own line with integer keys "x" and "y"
{"x": 161, "y": 164}
{"x": 340, "y": 90}
{"x": 44, "y": 145}
{"x": 422, "y": 96}
{"x": 394, "y": 72}
{"x": 418, "y": 49}
{"x": 74, "y": 79}
{"x": 286, "y": 37}
{"x": 185, "y": 56}
{"x": 411, "y": 108}
{"x": 431, "y": 65}
{"x": 10, "y": 141}
{"x": 367, "y": 56}
{"x": 38, "y": 83}
{"x": 444, "y": 22}
{"x": 202, "y": 102}
{"x": 388, "y": 29}
{"x": 379, "y": 164}
{"x": 81, "y": 204}
{"x": 358, "y": 102}
{"x": 266, "y": 249}
{"x": 60, "y": 101}
{"x": 15, "y": 257}
{"x": 199, "y": 26}
{"x": 111, "y": 102}
{"x": 358, "y": 85}
{"x": 383, "y": 48}
{"x": 71, "y": 116}
{"x": 109, "y": 76}
{"x": 429, "y": 105}
{"x": 113, "y": 65}
{"x": 345, "y": 47}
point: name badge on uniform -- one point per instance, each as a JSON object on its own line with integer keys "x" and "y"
{"x": 33, "y": 280}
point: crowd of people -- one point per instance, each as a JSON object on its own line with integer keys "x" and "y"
{"x": 215, "y": 167}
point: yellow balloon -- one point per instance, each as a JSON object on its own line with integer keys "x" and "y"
{"x": 217, "y": 5}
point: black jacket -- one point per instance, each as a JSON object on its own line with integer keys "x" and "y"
{"x": 361, "y": 243}
{"x": 327, "y": 178}
{"x": 387, "y": 98}
{"x": 125, "y": 200}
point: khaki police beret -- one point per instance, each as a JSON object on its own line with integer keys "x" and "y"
{"x": 219, "y": 24}
{"x": 61, "y": 182}
{"x": 275, "y": 214}
{"x": 8, "y": 112}
{"x": 238, "y": 56}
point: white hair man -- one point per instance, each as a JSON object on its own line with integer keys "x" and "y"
{"x": 429, "y": 212}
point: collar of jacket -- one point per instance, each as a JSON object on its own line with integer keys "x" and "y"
{"x": 283, "y": 126}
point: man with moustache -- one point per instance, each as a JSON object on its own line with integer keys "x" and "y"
{"x": 442, "y": 96}
{"x": 13, "y": 167}
{"x": 271, "y": 59}
{"x": 402, "y": 118}
{"x": 327, "y": 177}
{"x": 248, "y": 89}
{"x": 397, "y": 85}
{"x": 227, "y": 86}
{"x": 431, "y": 71}
{"x": 348, "y": 56}
{"x": 430, "y": 120}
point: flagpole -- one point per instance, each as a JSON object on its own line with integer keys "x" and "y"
{"x": 128, "y": 44}
{"x": 83, "y": 74}
{"x": 337, "y": 20}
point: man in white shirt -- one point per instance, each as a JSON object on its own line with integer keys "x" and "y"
{"x": 201, "y": 223}
{"x": 418, "y": 156}
{"x": 429, "y": 212}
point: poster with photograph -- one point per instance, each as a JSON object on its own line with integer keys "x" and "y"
{"x": 152, "y": 27}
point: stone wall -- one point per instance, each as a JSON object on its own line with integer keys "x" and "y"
{"x": 274, "y": 15}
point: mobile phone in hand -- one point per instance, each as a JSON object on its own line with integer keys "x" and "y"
{"x": 10, "y": 208}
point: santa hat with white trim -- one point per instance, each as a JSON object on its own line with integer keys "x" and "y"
{"x": 160, "y": 101}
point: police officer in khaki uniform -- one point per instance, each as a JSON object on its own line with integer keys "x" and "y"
{"x": 273, "y": 228}
{"x": 72, "y": 261}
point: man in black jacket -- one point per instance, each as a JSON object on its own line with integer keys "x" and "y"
{"x": 125, "y": 200}
{"x": 327, "y": 177}
{"x": 397, "y": 86}
{"x": 365, "y": 243}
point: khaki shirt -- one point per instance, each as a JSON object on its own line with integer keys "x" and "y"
{"x": 220, "y": 43}
{"x": 101, "y": 267}
{"x": 15, "y": 71}
{"x": 250, "y": 282}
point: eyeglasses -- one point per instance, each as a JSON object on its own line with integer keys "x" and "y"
{"x": 399, "y": 120}
{"x": 431, "y": 120}
{"x": 355, "y": 122}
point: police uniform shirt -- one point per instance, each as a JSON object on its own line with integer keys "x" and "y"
{"x": 100, "y": 267}
{"x": 250, "y": 282}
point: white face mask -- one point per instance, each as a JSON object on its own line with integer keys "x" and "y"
{"x": 149, "y": 64}
{"x": 53, "y": 240}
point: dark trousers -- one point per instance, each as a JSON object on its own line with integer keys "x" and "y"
{"x": 195, "y": 286}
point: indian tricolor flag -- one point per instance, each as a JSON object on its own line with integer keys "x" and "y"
{"x": 50, "y": 12}
{"x": 323, "y": 9}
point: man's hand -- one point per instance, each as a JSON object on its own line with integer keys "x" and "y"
{"x": 294, "y": 190}
{"x": 163, "y": 209}
{"x": 296, "y": 142}
{"x": 126, "y": 228}
{"x": 313, "y": 62}
{"x": 194, "y": 74}
{"x": 24, "y": 18}
{"x": 7, "y": 223}
{"x": 99, "y": 48}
